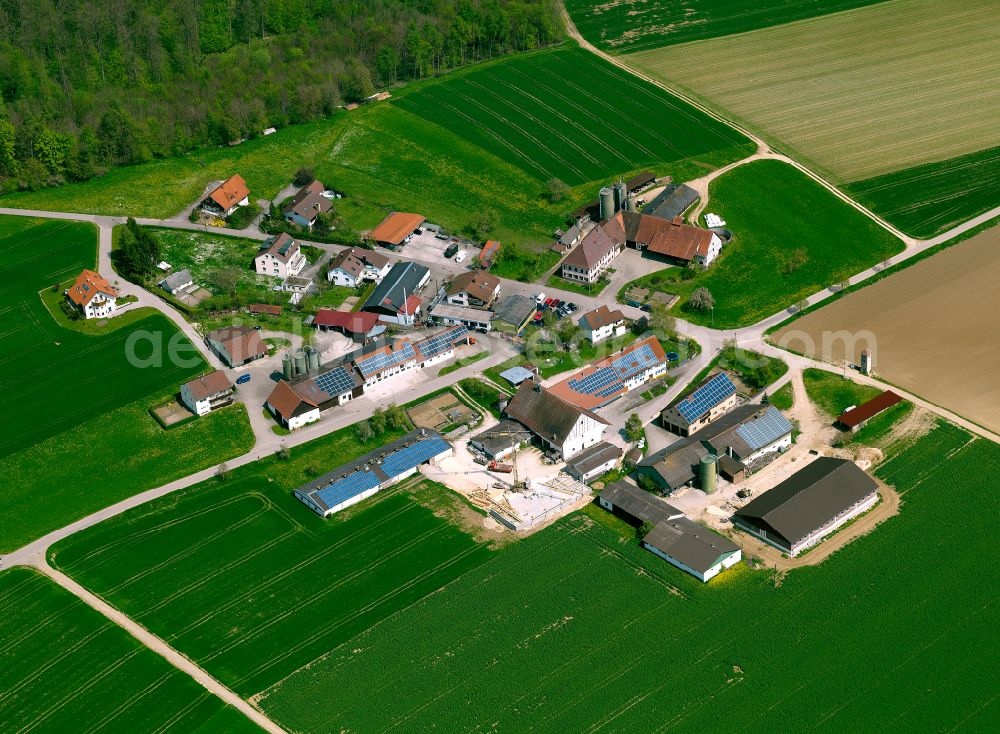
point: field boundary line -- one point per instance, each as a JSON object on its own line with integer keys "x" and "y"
{"x": 762, "y": 146}
{"x": 150, "y": 641}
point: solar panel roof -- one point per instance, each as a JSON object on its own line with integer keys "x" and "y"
{"x": 413, "y": 455}
{"x": 335, "y": 382}
{"x": 346, "y": 488}
{"x": 441, "y": 342}
{"x": 610, "y": 379}
{"x": 386, "y": 359}
{"x": 765, "y": 429}
{"x": 706, "y": 397}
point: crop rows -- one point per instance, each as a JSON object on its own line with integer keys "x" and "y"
{"x": 66, "y": 668}
{"x": 575, "y": 630}
{"x": 569, "y": 115}
{"x": 251, "y": 586}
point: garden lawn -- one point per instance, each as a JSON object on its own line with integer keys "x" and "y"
{"x": 107, "y": 459}
{"x": 624, "y": 27}
{"x": 834, "y": 394}
{"x": 783, "y": 398}
{"x": 775, "y": 210}
{"x": 206, "y": 254}
{"x": 59, "y": 376}
{"x": 539, "y": 611}
{"x": 558, "y": 114}
{"x": 67, "y": 668}
{"x": 584, "y": 289}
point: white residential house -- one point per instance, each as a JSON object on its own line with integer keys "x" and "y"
{"x": 355, "y": 265}
{"x": 209, "y": 392}
{"x": 94, "y": 296}
{"x": 475, "y": 289}
{"x": 291, "y": 409}
{"x": 280, "y": 256}
{"x": 602, "y": 323}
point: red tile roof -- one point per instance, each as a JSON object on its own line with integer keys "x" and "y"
{"x": 490, "y": 250}
{"x": 208, "y": 385}
{"x": 230, "y": 192}
{"x": 286, "y": 401}
{"x": 265, "y": 308}
{"x": 865, "y": 411}
{"x": 396, "y": 227}
{"x": 88, "y": 284}
{"x": 353, "y": 322}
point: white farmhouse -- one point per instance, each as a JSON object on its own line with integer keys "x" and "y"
{"x": 93, "y": 295}
{"x": 209, "y": 392}
{"x": 602, "y": 323}
{"x": 558, "y": 424}
{"x": 353, "y": 266}
{"x": 291, "y": 409}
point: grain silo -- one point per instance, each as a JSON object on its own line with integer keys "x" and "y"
{"x": 287, "y": 369}
{"x": 709, "y": 471}
{"x": 312, "y": 359}
{"x": 607, "y": 203}
{"x": 300, "y": 363}
{"x": 621, "y": 195}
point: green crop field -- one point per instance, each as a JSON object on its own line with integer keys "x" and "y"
{"x": 58, "y": 376}
{"x": 561, "y": 114}
{"x": 577, "y": 629}
{"x": 929, "y": 199}
{"x": 68, "y": 669}
{"x": 774, "y": 211}
{"x": 634, "y": 25}
{"x": 253, "y": 586}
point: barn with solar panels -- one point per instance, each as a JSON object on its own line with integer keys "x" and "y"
{"x": 383, "y": 360}
{"x": 440, "y": 346}
{"x": 714, "y": 397}
{"x": 612, "y": 377}
{"x": 356, "y": 481}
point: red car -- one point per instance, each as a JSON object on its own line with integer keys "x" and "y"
{"x": 550, "y": 302}
{"x": 538, "y": 315}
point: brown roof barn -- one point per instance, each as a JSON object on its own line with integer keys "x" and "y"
{"x": 855, "y": 417}
{"x": 208, "y": 385}
{"x": 396, "y": 227}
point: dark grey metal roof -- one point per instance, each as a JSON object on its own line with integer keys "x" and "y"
{"x": 597, "y": 455}
{"x": 495, "y": 444}
{"x": 401, "y": 282}
{"x": 692, "y": 544}
{"x": 514, "y": 309}
{"x": 638, "y": 503}
{"x": 673, "y": 201}
{"x": 809, "y": 499}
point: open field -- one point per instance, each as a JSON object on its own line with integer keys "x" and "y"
{"x": 931, "y": 328}
{"x": 250, "y": 584}
{"x": 833, "y": 394}
{"x": 557, "y": 114}
{"x": 66, "y": 668}
{"x": 623, "y": 26}
{"x": 61, "y": 377}
{"x": 107, "y": 459}
{"x": 837, "y": 96}
{"x": 774, "y": 211}
{"x": 929, "y": 199}
{"x": 576, "y": 629}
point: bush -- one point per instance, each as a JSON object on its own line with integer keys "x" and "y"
{"x": 242, "y": 217}
{"x": 303, "y": 176}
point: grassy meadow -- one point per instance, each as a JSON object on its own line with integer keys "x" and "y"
{"x": 67, "y": 668}
{"x": 624, "y": 27}
{"x": 833, "y": 394}
{"x": 775, "y": 211}
{"x": 62, "y": 377}
{"x": 569, "y": 630}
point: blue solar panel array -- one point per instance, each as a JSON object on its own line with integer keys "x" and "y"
{"x": 441, "y": 342}
{"x": 413, "y": 455}
{"x": 764, "y": 430}
{"x": 335, "y": 382}
{"x": 706, "y": 397}
{"x": 385, "y": 360}
{"x": 348, "y": 487}
{"x": 609, "y": 380}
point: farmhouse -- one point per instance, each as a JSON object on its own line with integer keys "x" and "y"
{"x": 473, "y": 318}
{"x": 236, "y": 345}
{"x": 513, "y": 313}
{"x": 588, "y": 260}
{"x": 440, "y": 346}
{"x": 564, "y": 427}
{"x": 307, "y": 204}
{"x": 475, "y": 288}
{"x": 745, "y": 437}
{"x": 610, "y": 378}
{"x": 361, "y": 326}
{"x": 812, "y": 503}
{"x": 671, "y": 238}
{"x": 355, "y": 265}
{"x": 177, "y": 281}
{"x": 488, "y": 254}
{"x": 395, "y": 299}
{"x": 712, "y": 398}
{"x": 94, "y": 296}
{"x": 498, "y": 442}
{"x": 857, "y": 418}
{"x": 594, "y": 462}
{"x": 396, "y": 229}
{"x": 204, "y": 394}
{"x": 330, "y": 385}
{"x": 682, "y": 543}
{"x": 289, "y": 408}
{"x": 280, "y": 256}
{"x": 359, "y": 479}
{"x": 602, "y": 323}
{"x": 227, "y": 197}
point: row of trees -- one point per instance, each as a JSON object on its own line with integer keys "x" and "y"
{"x": 86, "y": 85}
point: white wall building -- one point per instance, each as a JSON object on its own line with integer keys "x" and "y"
{"x": 280, "y": 256}
{"x": 93, "y": 296}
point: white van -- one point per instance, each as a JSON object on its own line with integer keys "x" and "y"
{"x": 460, "y": 257}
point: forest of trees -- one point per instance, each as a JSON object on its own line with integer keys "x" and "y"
{"x": 90, "y": 84}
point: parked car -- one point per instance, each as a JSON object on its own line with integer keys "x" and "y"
{"x": 460, "y": 257}
{"x": 538, "y": 315}
{"x": 243, "y": 379}
{"x": 633, "y": 304}
{"x": 646, "y": 307}
{"x": 572, "y": 307}
{"x": 440, "y": 236}
{"x": 560, "y": 304}
{"x": 539, "y": 298}
{"x": 549, "y": 301}
{"x": 451, "y": 250}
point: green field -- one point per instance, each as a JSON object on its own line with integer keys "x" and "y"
{"x": 623, "y": 27}
{"x": 559, "y": 114}
{"x": 61, "y": 377}
{"x": 250, "y": 584}
{"x": 576, "y": 629}
{"x": 929, "y": 199}
{"x": 68, "y": 669}
{"x": 833, "y": 394}
{"x": 775, "y": 210}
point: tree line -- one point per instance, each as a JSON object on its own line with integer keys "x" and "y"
{"x": 86, "y": 85}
